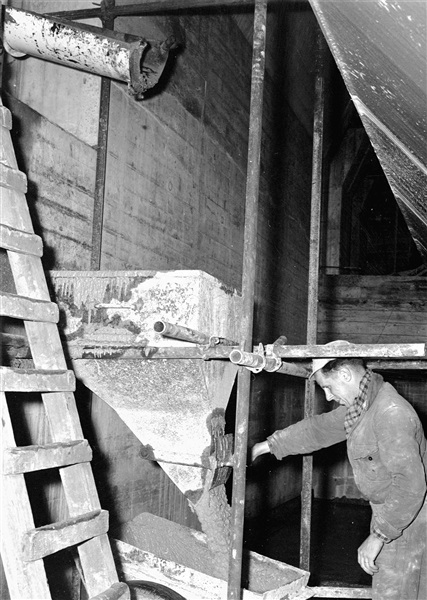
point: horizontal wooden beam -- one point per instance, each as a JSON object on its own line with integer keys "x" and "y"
{"x": 28, "y": 309}
{"x": 397, "y": 365}
{"x": 26, "y": 459}
{"x": 35, "y": 380}
{"x": 394, "y": 351}
{"x": 5, "y": 118}
{"x": 341, "y": 592}
{"x": 20, "y": 241}
{"x": 46, "y": 540}
{"x": 13, "y": 179}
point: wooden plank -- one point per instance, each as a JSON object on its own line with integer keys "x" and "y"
{"x": 29, "y": 309}
{"x": 361, "y": 324}
{"x": 5, "y": 118}
{"x": 46, "y": 540}
{"x": 36, "y": 380}
{"x": 397, "y": 365}
{"x": 341, "y": 592}
{"x": 116, "y": 591}
{"x": 24, "y": 580}
{"x": 13, "y": 179}
{"x": 35, "y": 458}
{"x": 371, "y": 288}
{"x": 20, "y": 241}
{"x": 352, "y": 350}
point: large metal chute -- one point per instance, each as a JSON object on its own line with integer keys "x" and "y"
{"x": 175, "y": 406}
{"x": 380, "y": 49}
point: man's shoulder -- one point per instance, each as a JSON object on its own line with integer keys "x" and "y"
{"x": 388, "y": 398}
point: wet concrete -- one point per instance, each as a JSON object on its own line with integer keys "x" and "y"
{"x": 338, "y": 529}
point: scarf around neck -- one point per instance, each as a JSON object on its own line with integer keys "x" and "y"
{"x": 360, "y": 405}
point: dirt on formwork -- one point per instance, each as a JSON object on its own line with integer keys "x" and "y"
{"x": 168, "y": 541}
{"x": 188, "y": 547}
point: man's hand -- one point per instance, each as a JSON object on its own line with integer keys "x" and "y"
{"x": 258, "y": 449}
{"x": 368, "y": 552}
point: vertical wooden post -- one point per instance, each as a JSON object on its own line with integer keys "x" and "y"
{"x": 248, "y": 292}
{"x": 313, "y": 278}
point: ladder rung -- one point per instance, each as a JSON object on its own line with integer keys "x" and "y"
{"x": 36, "y": 380}
{"x": 115, "y": 592}
{"x": 5, "y": 117}
{"x": 46, "y": 540}
{"x": 20, "y": 241}
{"x": 28, "y": 309}
{"x": 26, "y": 459}
{"x": 13, "y": 179}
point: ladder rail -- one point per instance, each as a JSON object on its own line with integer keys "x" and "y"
{"x": 28, "y": 579}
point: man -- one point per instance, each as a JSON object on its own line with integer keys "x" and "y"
{"x": 387, "y": 450}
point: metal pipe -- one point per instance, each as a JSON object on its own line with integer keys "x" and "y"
{"x": 248, "y": 292}
{"x": 293, "y": 369}
{"x": 313, "y": 279}
{"x": 247, "y": 359}
{"x": 190, "y": 335}
{"x": 107, "y": 53}
{"x": 179, "y": 332}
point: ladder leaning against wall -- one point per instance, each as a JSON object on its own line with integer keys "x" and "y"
{"x": 23, "y": 546}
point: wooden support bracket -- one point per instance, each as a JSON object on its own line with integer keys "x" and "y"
{"x": 36, "y": 380}
{"x": 46, "y": 540}
{"x": 28, "y": 309}
{"x": 5, "y": 118}
{"x": 26, "y": 459}
{"x": 13, "y": 179}
{"x": 20, "y": 241}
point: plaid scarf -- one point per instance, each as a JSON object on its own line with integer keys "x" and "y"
{"x": 360, "y": 405}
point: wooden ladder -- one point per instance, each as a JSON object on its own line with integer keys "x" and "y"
{"x": 23, "y": 546}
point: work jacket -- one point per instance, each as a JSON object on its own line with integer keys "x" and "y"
{"x": 386, "y": 449}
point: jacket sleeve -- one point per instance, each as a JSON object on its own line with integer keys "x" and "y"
{"x": 309, "y": 435}
{"x": 398, "y": 434}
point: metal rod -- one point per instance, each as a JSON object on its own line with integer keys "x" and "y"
{"x": 313, "y": 288}
{"x": 156, "y": 7}
{"x": 248, "y": 292}
{"x": 101, "y": 160}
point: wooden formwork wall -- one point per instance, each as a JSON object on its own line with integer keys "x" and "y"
{"x": 377, "y": 310}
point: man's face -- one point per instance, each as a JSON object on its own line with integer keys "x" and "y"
{"x": 338, "y": 385}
